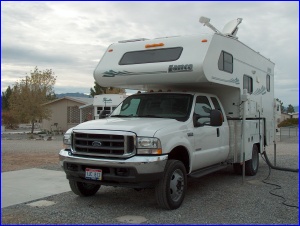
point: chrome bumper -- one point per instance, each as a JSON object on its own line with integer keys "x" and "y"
{"x": 142, "y": 164}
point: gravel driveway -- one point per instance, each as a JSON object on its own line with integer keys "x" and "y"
{"x": 218, "y": 198}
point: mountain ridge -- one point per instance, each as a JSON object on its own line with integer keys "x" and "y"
{"x": 61, "y": 95}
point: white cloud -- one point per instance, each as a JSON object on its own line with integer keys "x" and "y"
{"x": 71, "y": 37}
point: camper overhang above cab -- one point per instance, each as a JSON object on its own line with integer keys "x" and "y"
{"x": 183, "y": 62}
{"x": 161, "y": 62}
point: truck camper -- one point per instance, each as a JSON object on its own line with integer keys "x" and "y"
{"x": 207, "y": 102}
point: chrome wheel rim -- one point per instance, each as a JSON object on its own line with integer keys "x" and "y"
{"x": 176, "y": 185}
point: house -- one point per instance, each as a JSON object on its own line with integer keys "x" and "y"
{"x": 106, "y": 102}
{"x": 295, "y": 115}
{"x": 66, "y": 113}
{"x": 285, "y": 116}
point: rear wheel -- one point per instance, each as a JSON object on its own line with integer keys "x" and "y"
{"x": 83, "y": 189}
{"x": 171, "y": 189}
{"x": 251, "y": 166}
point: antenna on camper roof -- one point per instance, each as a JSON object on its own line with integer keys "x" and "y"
{"x": 205, "y": 21}
{"x": 230, "y": 29}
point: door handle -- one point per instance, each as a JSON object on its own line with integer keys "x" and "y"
{"x": 218, "y": 132}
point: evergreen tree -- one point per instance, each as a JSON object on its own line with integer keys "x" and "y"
{"x": 290, "y": 109}
{"x": 5, "y": 97}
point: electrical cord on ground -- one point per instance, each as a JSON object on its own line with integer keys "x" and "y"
{"x": 277, "y": 186}
{"x": 276, "y": 167}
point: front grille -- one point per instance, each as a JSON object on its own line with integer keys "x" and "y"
{"x": 111, "y": 145}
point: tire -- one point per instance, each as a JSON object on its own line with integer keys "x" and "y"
{"x": 238, "y": 168}
{"x": 251, "y": 166}
{"x": 83, "y": 189}
{"x": 171, "y": 189}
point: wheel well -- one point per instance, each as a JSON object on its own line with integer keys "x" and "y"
{"x": 180, "y": 153}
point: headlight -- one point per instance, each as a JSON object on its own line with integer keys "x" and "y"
{"x": 148, "y": 146}
{"x": 67, "y": 141}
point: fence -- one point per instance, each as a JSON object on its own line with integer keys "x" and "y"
{"x": 289, "y": 133}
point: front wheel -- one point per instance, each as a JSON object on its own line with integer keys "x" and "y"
{"x": 170, "y": 190}
{"x": 83, "y": 189}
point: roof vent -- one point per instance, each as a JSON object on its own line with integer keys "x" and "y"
{"x": 134, "y": 40}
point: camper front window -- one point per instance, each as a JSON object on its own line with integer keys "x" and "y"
{"x": 151, "y": 56}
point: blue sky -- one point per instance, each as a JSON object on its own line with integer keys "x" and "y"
{"x": 71, "y": 37}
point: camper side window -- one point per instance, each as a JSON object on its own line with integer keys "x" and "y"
{"x": 248, "y": 84}
{"x": 225, "y": 62}
{"x": 268, "y": 83}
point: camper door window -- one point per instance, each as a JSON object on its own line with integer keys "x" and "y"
{"x": 151, "y": 56}
{"x": 248, "y": 84}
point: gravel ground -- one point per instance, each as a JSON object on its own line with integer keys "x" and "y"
{"x": 218, "y": 198}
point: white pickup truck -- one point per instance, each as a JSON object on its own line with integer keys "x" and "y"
{"x": 208, "y": 103}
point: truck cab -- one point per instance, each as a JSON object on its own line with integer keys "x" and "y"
{"x": 132, "y": 146}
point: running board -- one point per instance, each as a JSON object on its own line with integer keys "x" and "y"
{"x": 208, "y": 170}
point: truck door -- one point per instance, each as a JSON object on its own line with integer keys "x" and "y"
{"x": 210, "y": 144}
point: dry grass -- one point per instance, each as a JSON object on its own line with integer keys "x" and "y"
{"x": 19, "y": 161}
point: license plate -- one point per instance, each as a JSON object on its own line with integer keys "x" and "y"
{"x": 93, "y": 174}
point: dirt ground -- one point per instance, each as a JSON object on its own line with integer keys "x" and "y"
{"x": 19, "y": 152}
{"x": 19, "y": 161}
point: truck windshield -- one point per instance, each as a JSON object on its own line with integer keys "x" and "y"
{"x": 156, "y": 105}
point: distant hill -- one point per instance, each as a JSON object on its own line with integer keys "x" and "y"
{"x": 72, "y": 95}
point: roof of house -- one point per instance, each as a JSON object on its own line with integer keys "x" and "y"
{"x": 86, "y": 105}
{"x": 81, "y": 100}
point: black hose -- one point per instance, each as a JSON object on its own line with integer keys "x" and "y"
{"x": 276, "y": 167}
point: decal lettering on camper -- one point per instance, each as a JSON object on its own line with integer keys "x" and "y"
{"x": 180, "y": 68}
{"x": 106, "y": 100}
{"x": 260, "y": 91}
